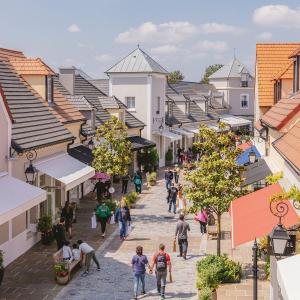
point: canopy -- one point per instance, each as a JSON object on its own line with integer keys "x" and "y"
{"x": 243, "y": 158}
{"x": 170, "y": 135}
{"x": 182, "y": 131}
{"x": 82, "y": 153}
{"x": 234, "y": 121}
{"x": 192, "y": 129}
{"x": 251, "y": 216}
{"x": 17, "y": 196}
{"x": 101, "y": 176}
{"x": 138, "y": 143}
{"x": 68, "y": 170}
{"x": 288, "y": 274}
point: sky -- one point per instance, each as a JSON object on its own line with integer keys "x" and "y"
{"x": 186, "y": 35}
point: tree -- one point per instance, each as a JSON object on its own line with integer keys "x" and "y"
{"x": 149, "y": 159}
{"x": 175, "y": 76}
{"x": 209, "y": 71}
{"x": 216, "y": 180}
{"x": 113, "y": 153}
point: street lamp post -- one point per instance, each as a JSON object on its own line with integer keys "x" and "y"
{"x": 31, "y": 171}
{"x": 252, "y": 157}
{"x": 254, "y": 269}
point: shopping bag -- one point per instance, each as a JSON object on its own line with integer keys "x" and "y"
{"x": 174, "y": 246}
{"x": 112, "y": 220}
{"x": 170, "y": 277}
{"x": 93, "y": 222}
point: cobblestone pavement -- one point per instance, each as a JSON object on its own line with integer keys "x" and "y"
{"x": 152, "y": 226}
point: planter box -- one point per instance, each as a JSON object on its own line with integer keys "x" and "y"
{"x": 62, "y": 280}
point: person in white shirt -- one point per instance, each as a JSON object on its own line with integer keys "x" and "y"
{"x": 89, "y": 252}
{"x": 76, "y": 252}
{"x": 67, "y": 252}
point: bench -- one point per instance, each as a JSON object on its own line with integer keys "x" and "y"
{"x": 212, "y": 231}
{"x": 58, "y": 257}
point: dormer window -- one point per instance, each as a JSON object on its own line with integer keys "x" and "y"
{"x": 245, "y": 80}
{"x": 277, "y": 90}
{"x": 188, "y": 108}
{"x": 49, "y": 89}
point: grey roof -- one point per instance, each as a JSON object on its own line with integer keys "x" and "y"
{"x": 109, "y": 102}
{"x": 197, "y": 114}
{"x": 192, "y": 88}
{"x": 33, "y": 125}
{"x": 177, "y": 97}
{"x": 138, "y": 142}
{"x": 101, "y": 84}
{"x": 82, "y": 153}
{"x": 233, "y": 69}
{"x": 80, "y": 102}
{"x": 137, "y": 62}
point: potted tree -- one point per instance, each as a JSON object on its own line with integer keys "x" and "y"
{"x": 61, "y": 272}
{"x": 169, "y": 157}
{"x": 44, "y": 226}
{"x": 151, "y": 179}
{"x": 1, "y": 266}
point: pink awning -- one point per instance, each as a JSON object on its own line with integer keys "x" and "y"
{"x": 251, "y": 216}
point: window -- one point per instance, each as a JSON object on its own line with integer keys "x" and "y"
{"x": 130, "y": 102}
{"x": 49, "y": 89}
{"x": 244, "y": 101}
{"x": 244, "y": 80}
{"x": 158, "y": 106}
{"x": 187, "y": 108}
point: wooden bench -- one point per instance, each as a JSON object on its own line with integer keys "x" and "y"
{"x": 58, "y": 257}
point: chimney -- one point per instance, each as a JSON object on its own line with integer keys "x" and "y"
{"x": 67, "y": 78}
{"x": 93, "y": 119}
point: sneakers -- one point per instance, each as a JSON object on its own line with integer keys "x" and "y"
{"x": 98, "y": 269}
{"x": 84, "y": 274}
{"x": 103, "y": 235}
{"x": 143, "y": 293}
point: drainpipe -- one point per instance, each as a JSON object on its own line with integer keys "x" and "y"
{"x": 81, "y": 131}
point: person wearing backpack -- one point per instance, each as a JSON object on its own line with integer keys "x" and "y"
{"x": 103, "y": 214}
{"x": 59, "y": 233}
{"x": 137, "y": 180}
{"x": 122, "y": 216}
{"x": 162, "y": 262}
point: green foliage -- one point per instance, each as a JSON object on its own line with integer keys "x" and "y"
{"x": 209, "y": 71}
{"x": 206, "y": 294}
{"x": 112, "y": 205}
{"x": 61, "y": 269}
{"x": 131, "y": 198}
{"x": 268, "y": 268}
{"x": 148, "y": 158}
{"x": 113, "y": 154}
{"x": 208, "y": 278}
{"x": 169, "y": 155}
{"x": 272, "y": 179}
{"x": 263, "y": 245}
{"x": 151, "y": 179}
{"x": 1, "y": 258}
{"x": 175, "y": 76}
{"x": 44, "y": 224}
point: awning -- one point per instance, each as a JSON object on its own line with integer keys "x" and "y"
{"x": 288, "y": 274}
{"x": 17, "y": 196}
{"x": 245, "y": 146}
{"x": 256, "y": 172}
{"x": 82, "y": 153}
{"x": 243, "y": 158}
{"x": 251, "y": 216}
{"x": 68, "y": 170}
{"x": 170, "y": 135}
{"x": 182, "y": 131}
{"x": 138, "y": 143}
{"x": 192, "y": 129}
{"x": 234, "y": 121}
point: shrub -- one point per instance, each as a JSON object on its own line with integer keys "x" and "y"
{"x": 112, "y": 205}
{"x": 151, "y": 179}
{"x": 61, "y": 269}
{"x": 44, "y": 224}
{"x": 205, "y": 294}
{"x": 131, "y": 198}
{"x": 149, "y": 159}
{"x": 208, "y": 278}
{"x": 169, "y": 155}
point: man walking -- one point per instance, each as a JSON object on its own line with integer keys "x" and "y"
{"x": 59, "y": 233}
{"x": 172, "y": 198}
{"x": 125, "y": 180}
{"x": 161, "y": 261}
{"x": 168, "y": 178}
{"x": 182, "y": 228}
{"x": 89, "y": 252}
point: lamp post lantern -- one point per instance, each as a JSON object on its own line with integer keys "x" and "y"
{"x": 279, "y": 238}
{"x": 91, "y": 144}
{"x": 160, "y": 128}
{"x": 31, "y": 171}
{"x": 252, "y": 157}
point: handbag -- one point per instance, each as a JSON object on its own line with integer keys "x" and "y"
{"x": 112, "y": 220}
{"x": 93, "y": 222}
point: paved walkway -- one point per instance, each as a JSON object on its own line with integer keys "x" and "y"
{"x": 152, "y": 226}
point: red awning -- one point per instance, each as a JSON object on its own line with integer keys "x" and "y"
{"x": 251, "y": 216}
{"x": 245, "y": 146}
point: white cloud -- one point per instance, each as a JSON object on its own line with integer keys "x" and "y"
{"x": 164, "y": 49}
{"x": 74, "y": 28}
{"x": 280, "y": 16}
{"x": 211, "y": 46}
{"x": 219, "y": 28}
{"x": 104, "y": 57}
{"x": 86, "y": 46}
{"x": 264, "y": 36}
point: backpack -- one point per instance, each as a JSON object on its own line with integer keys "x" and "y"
{"x": 161, "y": 262}
{"x": 102, "y": 212}
{"x": 137, "y": 180}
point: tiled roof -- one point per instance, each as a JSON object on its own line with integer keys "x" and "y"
{"x": 109, "y": 102}
{"x": 10, "y": 54}
{"x": 192, "y": 88}
{"x": 80, "y": 103}
{"x": 286, "y": 72}
{"x": 34, "y": 126}
{"x": 295, "y": 52}
{"x": 137, "y": 62}
{"x": 197, "y": 114}
{"x": 278, "y": 115}
{"x": 138, "y": 142}
{"x": 270, "y": 59}
{"x": 31, "y": 66}
{"x": 289, "y": 146}
{"x": 101, "y": 84}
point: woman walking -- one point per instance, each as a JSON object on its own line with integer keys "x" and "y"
{"x": 67, "y": 214}
{"x": 202, "y": 218}
{"x": 123, "y": 218}
{"x": 139, "y": 263}
{"x": 181, "y": 206}
{"x": 103, "y": 214}
{"x": 137, "y": 180}
{"x": 176, "y": 173}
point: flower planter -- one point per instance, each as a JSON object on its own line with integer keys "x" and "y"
{"x": 46, "y": 238}
{"x": 62, "y": 280}
{"x": 152, "y": 183}
{"x": 1, "y": 275}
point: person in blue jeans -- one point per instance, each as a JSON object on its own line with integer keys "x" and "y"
{"x": 139, "y": 263}
{"x": 122, "y": 216}
{"x": 168, "y": 178}
{"x": 172, "y": 198}
{"x": 137, "y": 180}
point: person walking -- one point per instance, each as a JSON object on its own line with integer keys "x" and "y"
{"x": 168, "y": 178}
{"x": 59, "y": 233}
{"x": 173, "y": 198}
{"x": 181, "y": 233}
{"x": 179, "y": 155}
{"x": 137, "y": 180}
{"x": 67, "y": 214}
{"x": 89, "y": 252}
{"x": 123, "y": 217}
{"x": 139, "y": 263}
{"x": 103, "y": 213}
{"x": 125, "y": 180}
{"x": 176, "y": 173}
{"x": 161, "y": 261}
{"x": 202, "y": 218}
{"x": 181, "y": 200}
{"x": 100, "y": 188}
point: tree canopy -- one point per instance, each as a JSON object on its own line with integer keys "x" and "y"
{"x": 113, "y": 154}
{"x": 209, "y": 71}
{"x": 175, "y": 76}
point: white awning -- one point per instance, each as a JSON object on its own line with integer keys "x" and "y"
{"x": 288, "y": 274}
{"x": 68, "y": 170}
{"x": 170, "y": 135}
{"x": 182, "y": 131}
{"x": 17, "y": 196}
{"x": 234, "y": 121}
{"x": 192, "y": 129}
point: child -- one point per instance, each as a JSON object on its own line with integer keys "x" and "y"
{"x": 76, "y": 252}
{"x": 67, "y": 252}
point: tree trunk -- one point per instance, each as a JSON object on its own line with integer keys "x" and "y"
{"x": 219, "y": 235}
